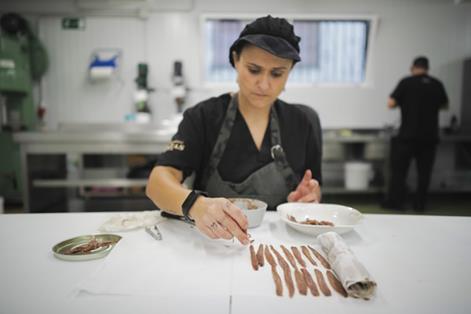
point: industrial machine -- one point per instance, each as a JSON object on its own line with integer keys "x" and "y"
{"x": 23, "y": 60}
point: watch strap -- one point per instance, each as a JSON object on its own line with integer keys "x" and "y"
{"x": 190, "y": 201}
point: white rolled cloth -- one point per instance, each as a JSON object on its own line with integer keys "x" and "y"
{"x": 352, "y": 274}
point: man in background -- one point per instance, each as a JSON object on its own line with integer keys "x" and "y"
{"x": 420, "y": 98}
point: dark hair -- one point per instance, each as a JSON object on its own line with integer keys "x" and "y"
{"x": 268, "y": 26}
{"x": 421, "y": 62}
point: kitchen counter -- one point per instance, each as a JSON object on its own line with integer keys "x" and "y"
{"x": 339, "y": 146}
{"x": 77, "y": 140}
{"x": 92, "y": 139}
{"x": 421, "y": 265}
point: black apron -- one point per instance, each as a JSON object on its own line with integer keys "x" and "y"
{"x": 272, "y": 183}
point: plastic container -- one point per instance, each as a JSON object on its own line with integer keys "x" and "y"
{"x": 358, "y": 175}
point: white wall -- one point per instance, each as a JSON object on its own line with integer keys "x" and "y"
{"x": 468, "y": 32}
{"x": 436, "y": 28}
{"x": 68, "y": 95}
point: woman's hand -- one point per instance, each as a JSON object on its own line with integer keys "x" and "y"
{"x": 307, "y": 191}
{"x": 220, "y": 218}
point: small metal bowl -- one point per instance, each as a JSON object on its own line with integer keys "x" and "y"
{"x": 62, "y": 250}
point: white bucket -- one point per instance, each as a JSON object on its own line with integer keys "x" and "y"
{"x": 358, "y": 175}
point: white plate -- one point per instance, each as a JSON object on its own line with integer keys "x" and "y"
{"x": 344, "y": 218}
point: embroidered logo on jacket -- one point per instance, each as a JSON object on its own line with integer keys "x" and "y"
{"x": 176, "y": 145}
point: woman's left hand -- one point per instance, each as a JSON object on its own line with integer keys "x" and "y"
{"x": 307, "y": 191}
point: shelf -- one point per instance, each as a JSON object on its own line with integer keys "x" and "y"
{"x": 451, "y": 189}
{"x": 72, "y": 183}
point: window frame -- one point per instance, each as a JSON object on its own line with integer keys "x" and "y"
{"x": 371, "y": 39}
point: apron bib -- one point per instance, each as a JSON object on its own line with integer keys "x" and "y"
{"x": 272, "y": 183}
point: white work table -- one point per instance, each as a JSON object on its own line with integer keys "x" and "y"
{"x": 421, "y": 265}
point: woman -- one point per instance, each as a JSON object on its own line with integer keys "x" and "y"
{"x": 247, "y": 144}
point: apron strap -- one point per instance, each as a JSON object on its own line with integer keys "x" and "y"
{"x": 224, "y": 134}
{"x": 278, "y": 154}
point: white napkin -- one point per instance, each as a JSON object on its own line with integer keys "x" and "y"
{"x": 131, "y": 221}
{"x": 352, "y": 274}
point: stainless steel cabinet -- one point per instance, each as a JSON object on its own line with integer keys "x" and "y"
{"x": 53, "y": 163}
{"x": 88, "y": 169}
{"x": 343, "y": 146}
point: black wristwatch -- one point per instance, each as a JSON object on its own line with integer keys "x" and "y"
{"x": 189, "y": 201}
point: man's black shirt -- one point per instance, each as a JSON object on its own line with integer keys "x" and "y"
{"x": 193, "y": 143}
{"x": 420, "y": 98}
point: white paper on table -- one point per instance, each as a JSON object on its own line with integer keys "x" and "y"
{"x": 183, "y": 263}
{"x": 187, "y": 263}
{"x": 247, "y": 281}
{"x": 260, "y": 283}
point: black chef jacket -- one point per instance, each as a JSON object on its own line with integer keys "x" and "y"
{"x": 193, "y": 143}
{"x": 420, "y": 98}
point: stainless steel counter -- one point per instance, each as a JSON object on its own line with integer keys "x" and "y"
{"x": 79, "y": 139}
{"x": 339, "y": 146}
{"x": 151, "y": 141}
{"x": 85, "y": 140}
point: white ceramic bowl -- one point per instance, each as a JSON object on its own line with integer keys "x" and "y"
{"x": 344, "y": 218}
{"x": 252, "y": 208}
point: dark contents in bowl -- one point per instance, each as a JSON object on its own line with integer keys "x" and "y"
{"x": 314, "y": 222}
{"x": 246, "y": 203}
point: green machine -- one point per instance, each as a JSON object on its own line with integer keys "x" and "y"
{"x": 23, "y": 60}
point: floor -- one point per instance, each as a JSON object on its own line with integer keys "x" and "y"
{"x": 439, "y": 204}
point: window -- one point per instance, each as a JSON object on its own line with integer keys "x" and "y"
{"x": 332, "y": 50}
{"x": 221, "y": 33}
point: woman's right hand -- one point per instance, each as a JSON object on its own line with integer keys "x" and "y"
{"x": 219, "y": 218}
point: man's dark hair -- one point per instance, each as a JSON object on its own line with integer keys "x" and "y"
{"x": 421, "y": 62}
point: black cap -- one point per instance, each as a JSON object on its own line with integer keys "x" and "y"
{"x": 275, "y": 35}
{"x": 421, "y": 62}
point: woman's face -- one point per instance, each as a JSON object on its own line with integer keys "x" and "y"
{"x": 261, "y": 75}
